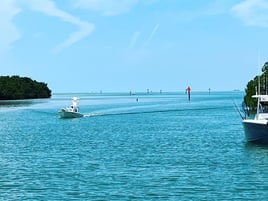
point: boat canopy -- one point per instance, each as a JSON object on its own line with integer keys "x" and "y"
{"x": 262, "y": 98}
{"x": 75, "y": 102}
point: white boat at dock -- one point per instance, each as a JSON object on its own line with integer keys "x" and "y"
{"x": 72, "y": 111}
{"x": 256, "y": 130}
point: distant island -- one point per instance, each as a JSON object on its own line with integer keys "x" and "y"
{"x": 258, "y": 85}
{"x": 16, "y": 87}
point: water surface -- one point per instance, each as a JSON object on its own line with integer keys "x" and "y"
{"x": 161, "y": 147}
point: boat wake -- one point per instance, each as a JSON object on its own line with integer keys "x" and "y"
{"x": 120, "y": 112}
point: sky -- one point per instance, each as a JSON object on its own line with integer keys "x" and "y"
{"x": 134, "y": 45}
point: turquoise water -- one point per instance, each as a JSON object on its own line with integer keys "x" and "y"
{"x": 161, "y": 147}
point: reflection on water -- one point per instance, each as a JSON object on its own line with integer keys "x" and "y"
{"x": 15, "y": 103}
{"x": 20, "y": 103}
{"x": 256, "y": 147}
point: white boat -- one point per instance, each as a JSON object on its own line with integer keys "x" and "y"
{"x": 72, "y": 111}
{"x": 256, "y": 130}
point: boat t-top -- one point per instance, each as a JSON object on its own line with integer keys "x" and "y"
{"x": 71, "y": 111}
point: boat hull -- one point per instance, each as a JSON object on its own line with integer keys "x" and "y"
{"x": 256, "y": 131}
{"x": 68, "y": 114}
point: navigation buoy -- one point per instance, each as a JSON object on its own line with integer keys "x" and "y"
{"x": 188, "y": 90}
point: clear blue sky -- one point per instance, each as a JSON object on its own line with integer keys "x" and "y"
{"x": 123, "y": 45}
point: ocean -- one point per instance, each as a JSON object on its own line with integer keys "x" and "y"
{"x": 141, "y": 147}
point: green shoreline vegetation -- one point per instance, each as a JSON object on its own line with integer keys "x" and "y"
{"x": 258, "y": 83}
{"x": 16, "y": 87}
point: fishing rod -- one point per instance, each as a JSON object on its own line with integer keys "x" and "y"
{"x": 236, "y": 107}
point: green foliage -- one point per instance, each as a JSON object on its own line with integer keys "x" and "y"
{"x": 15, "y": 87}
{"x": 252, "y": 87}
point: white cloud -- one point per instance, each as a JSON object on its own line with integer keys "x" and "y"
{"x": 9, "y": 33}
{"x": 10, "y": 8}
{"x": 134, "y": 39}
{"x": 136, "y": 35}
{"x": 151, "y": 35}
{"x": 49, "y": 8}
{"x": 200, "y": 10}
{"x": 252, "y": 12}
{"x": 218, "y": 7}
{"x": 106, "y": 7}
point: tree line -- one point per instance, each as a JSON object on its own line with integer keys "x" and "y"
{"x": 16, "y": 87}
{"x": 257, "y": 85}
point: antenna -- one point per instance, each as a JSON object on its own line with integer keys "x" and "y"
{"x": 259, "y": 84}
